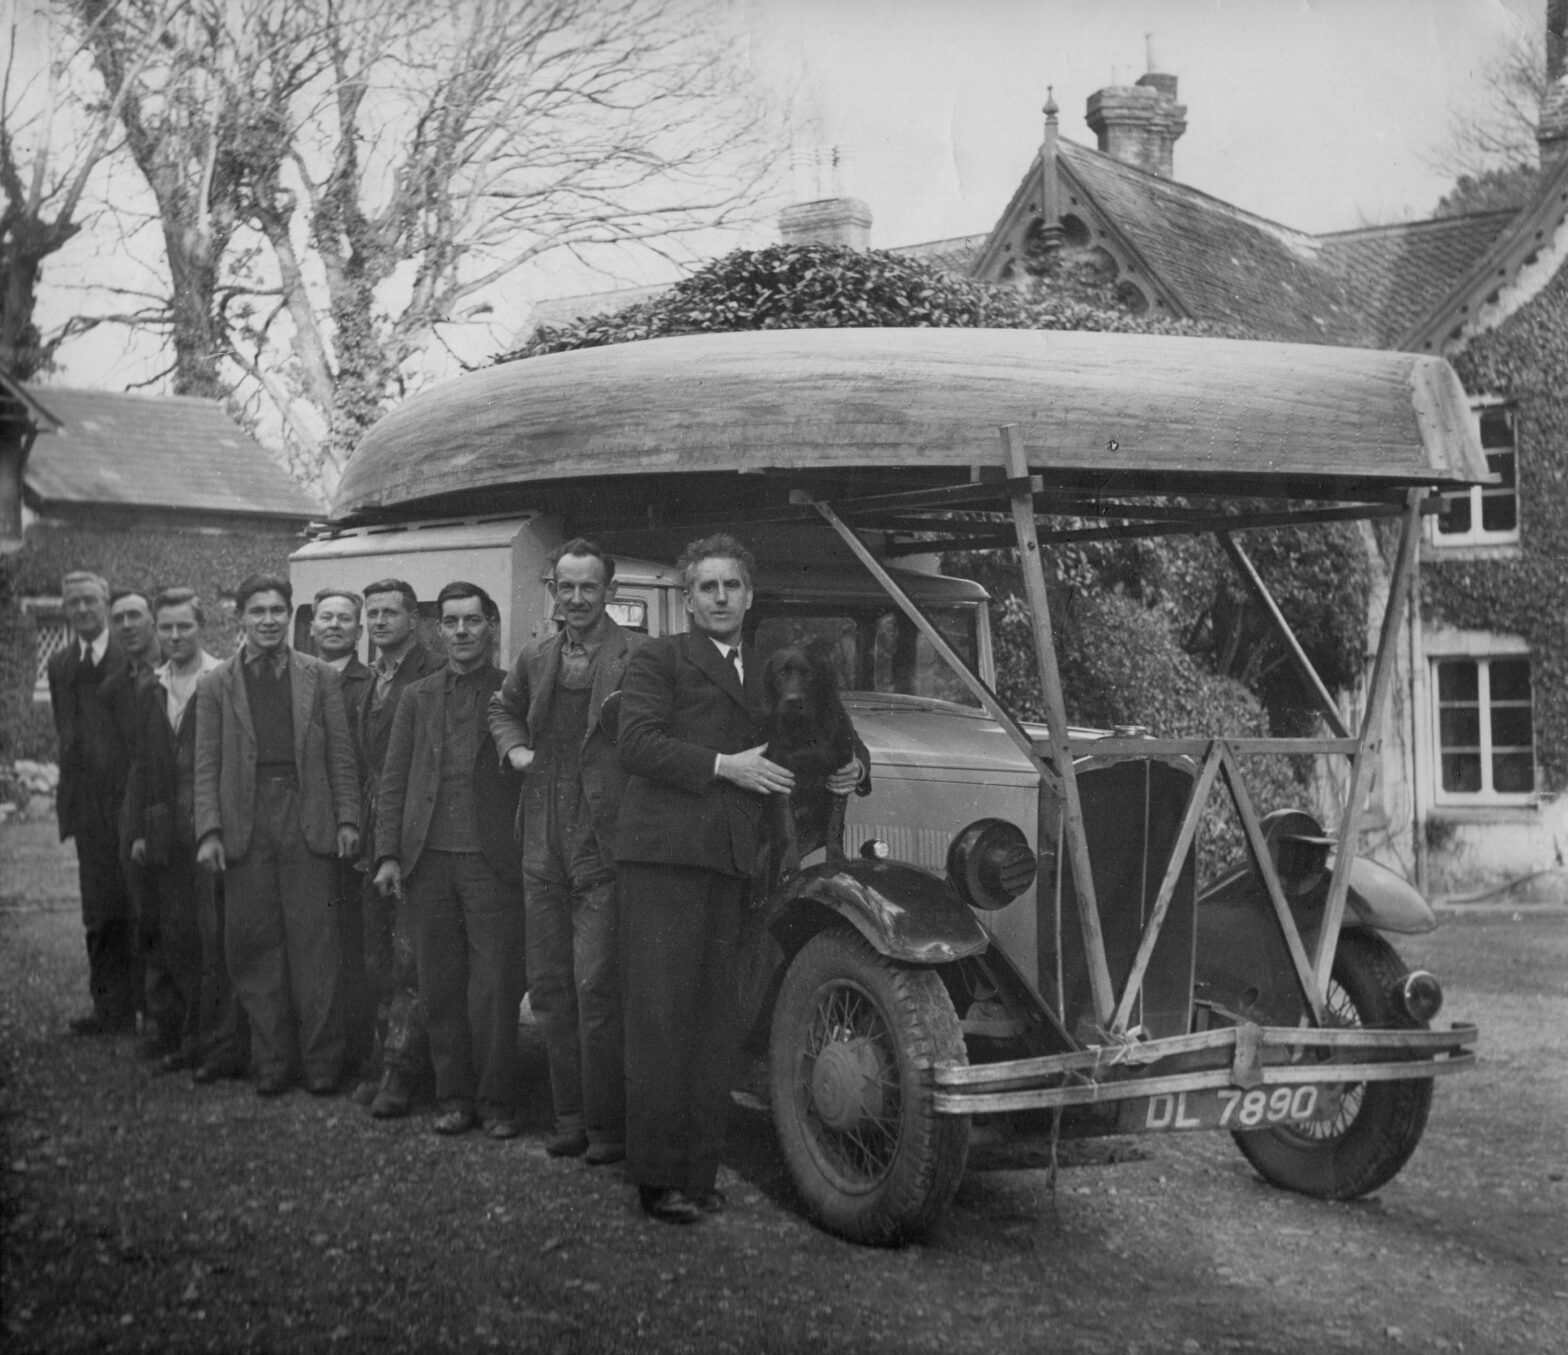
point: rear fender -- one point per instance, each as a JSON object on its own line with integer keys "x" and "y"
{"x": 904, "y": 912}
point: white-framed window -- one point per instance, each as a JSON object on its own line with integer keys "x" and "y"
{"x": 1484, "y": 732}
{"x": 51, "y": 634}
{"x": 1485, "y": 515}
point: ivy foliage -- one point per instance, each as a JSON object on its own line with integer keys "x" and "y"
{"x": 1524, "y": 361}
{"x": 1160, "y": 632}
{"x": 831, "y": 287}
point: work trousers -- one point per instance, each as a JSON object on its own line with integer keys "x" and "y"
{"x": 359, "y": 1005}
{"x": 172, "y": 946}
{"x": 574, "y": 987}
{"x": 222, "y": 1030}
{"x": 468, "y": 929}
{"x": 680, "y": 930}
{"x": 108, "y": 919}
{"x": 282, "y": 942}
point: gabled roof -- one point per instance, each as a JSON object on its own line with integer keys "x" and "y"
{"x": 1518, "y": 262}
{"x": 1215, "y": 261}
{"x": 1399, "y": 273}
{"x": 154, "y": 451}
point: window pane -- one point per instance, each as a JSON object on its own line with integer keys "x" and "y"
{"x": 1499, "y": 512}
{"x": 1502, "y": 464}
{"x": 1456, "y": 680}
{"x": 1462, "y": 772}
{"x": 1512, "y": 727}
{"x": 1455, "y": 517}
{"x": 1497, "y": 427}
{"x": 1510, "y": 679}
{"x": 1513, "y": 773}
{"x": 1460, "y": 727}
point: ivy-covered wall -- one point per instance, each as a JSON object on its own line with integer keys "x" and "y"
{"x": 1524, "y": 360}
{"x": 147, "y": 555}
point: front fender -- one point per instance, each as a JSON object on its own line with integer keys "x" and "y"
{"x": 1380, "y": 898}
{"x": 905, "y": 912}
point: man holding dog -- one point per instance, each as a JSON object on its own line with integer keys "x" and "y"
{"x": 686, "y": 844}
{"x": 546, "y": 724}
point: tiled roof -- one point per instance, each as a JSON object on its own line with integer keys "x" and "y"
{"x": 156, "y": 451}
{"x": 1399, "y": 273}
{"x": 558, "y": 311}
{"x": 957, "y": 254}
{"x": 1359, "y": 288}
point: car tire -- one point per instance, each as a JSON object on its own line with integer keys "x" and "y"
{"x": 854, "y": 1039}
{"x": 1378, "y": 1124}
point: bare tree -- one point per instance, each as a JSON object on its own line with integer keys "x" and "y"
{"x": 364, "y": 170}
{"x": 55, "y": 132}
{"x": 1491, "y": 149}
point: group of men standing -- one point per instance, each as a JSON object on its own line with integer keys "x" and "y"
{"x": 346, "y": 859}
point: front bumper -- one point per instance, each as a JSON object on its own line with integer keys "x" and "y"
{"x": 1245, "y": 1056}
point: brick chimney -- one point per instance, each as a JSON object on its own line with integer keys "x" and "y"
{"x": 1139, "y": 124}
{"x": 827, "y": 216}
{"x": 1551, "y": 132}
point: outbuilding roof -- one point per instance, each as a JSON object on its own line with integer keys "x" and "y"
{"x": 154, "y": 451}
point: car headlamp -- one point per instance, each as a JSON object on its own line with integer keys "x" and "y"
{"x": 990, "y": 864}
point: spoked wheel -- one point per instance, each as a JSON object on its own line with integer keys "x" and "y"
{"x": 854, "y": 1037}
{"x": 1374, "y": 1126}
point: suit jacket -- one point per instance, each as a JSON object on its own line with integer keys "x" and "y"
{"x": 375, "y": 726}
{"x": 161, "y": 792}
{"x": 96, "y": 752}
{"x": 226, "y": 756}
{"x": 681, "y": 703}
{"x": 518, "y": 713}
{"x": 411, "y": 779}
{"x": 357, "y": 678}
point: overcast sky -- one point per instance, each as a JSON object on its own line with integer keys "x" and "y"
{"x": 1321, "y": 114}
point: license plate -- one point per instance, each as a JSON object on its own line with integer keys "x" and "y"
{"x": 1220, "y": 1108}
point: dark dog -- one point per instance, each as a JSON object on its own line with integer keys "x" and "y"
{"x": 809, "y": 733}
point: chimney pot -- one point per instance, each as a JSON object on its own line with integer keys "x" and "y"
{"x": 830, "y": 221}
{"x": 1139, "y": 124}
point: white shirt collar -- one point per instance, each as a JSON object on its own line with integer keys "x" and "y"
{"x": 97, "y": 645}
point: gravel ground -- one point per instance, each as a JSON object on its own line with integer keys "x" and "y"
{"x": 142, "y": 1213}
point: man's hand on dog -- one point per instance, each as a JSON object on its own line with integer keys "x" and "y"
{"x": 846, "y": 778}
{"x": 752, "y": 771}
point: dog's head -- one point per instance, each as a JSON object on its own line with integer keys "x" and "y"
{"x": 800, "y": 685}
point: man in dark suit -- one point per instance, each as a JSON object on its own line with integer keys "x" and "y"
{"x": 545, "y": 720}
{"x": 686, "y": 844}
{"x": 401, "y": 1057}
{"x": 335, "y": 627}
{"x": 277, "y": 799}
{"x": 131, "y": 620}
{"x": 93, "y": 698}
{"x": 188, "y": 991}
{"x": 444, "y": 837}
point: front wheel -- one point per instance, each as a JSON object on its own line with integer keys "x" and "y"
{"x": 853, "y": 1041}
{"x": 1375, "y": 1126}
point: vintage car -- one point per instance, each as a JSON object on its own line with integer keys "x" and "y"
{"x": 1014, "y": 927}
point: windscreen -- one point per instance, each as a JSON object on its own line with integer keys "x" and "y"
{"x": 876, "y": 647}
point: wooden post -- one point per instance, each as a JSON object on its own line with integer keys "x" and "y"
{"x": 1361, "y": 764}
{"x": 1021, "y": 492}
